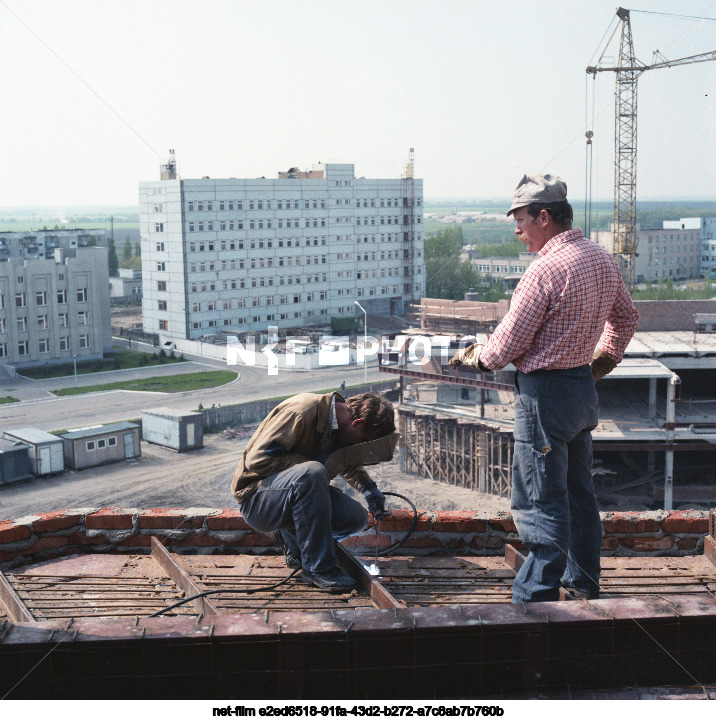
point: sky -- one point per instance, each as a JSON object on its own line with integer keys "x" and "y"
{"x": 94, "y": 93}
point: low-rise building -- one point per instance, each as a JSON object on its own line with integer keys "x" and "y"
{"x": 127, "y": 288}
{"x": 41, "y": 244}
{"x": 669, "y": 253}
{"x": 54, "y": 311}
{"x": 97, "y": 445}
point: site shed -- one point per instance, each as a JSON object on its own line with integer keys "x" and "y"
{"x": 180, "y": 430}
{"x": 45, "y": 452}
{"x": 14, "y": 461}
{"x": 97, "y": 445}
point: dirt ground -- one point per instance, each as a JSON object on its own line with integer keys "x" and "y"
{"x": 163, "y": 478}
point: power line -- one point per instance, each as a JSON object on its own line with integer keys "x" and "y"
{"x": 672, "y": 15}
{"x": 82, "y": 80}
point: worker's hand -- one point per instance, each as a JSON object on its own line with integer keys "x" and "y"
{"x": 375, "y": 499}
{"x": 466, "y": 356}
{"x": 601, "y": 364}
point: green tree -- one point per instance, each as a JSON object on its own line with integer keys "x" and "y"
{"x": 127, "y": 252}
{"x": 447, "y": 275}
{"x": 112, "y": 257}
{"x": 137, "y": 250}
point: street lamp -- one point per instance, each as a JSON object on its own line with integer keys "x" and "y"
{"x": 365, "y": 342}
{"x": 74, "y": 360}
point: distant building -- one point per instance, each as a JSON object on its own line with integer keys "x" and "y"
{"x": 54, "y": 310}
{"x": 41, "y": 244}
{"x": 672, "y": 252}
{"x": 708, "y": 245}
{"x": 127, "y": 288}
{"x": 508, "y": 271}
{"x": 234, "y": 255}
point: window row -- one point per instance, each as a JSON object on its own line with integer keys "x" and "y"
{"x": 41, "y": 298}
{"x": 211, "y": 225}
{"x": 43, "y": 345}
{"x": 43, "y": 321}
{"x": 201, "y": 206}
{"x": 101, "y": 443}
{"x": 211, "y": 245}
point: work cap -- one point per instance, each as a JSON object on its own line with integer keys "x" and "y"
{"x": 538, "y": 189}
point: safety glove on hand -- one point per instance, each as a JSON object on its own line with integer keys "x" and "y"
{"x": 467, "y": 356}
{"x": 375, "y": 500}
{"x": 601, "y": 364}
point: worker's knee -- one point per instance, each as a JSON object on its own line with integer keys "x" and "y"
{"x": 311, "y": 475}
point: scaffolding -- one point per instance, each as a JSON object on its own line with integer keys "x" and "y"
{"x": 458, "y": 453}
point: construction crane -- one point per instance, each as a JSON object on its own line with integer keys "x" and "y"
{"x": 628, "y": 70}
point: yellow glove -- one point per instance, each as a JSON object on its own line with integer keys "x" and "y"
{"x": 601, "y": 364}
{"x": 467, "y": 356}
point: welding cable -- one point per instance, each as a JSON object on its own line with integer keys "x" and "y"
{"x": 399, "y": 543}
{"x": 224, "y": 590}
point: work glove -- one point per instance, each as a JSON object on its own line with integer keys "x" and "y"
{"x": 467, "y": 356}
{"x": 375, "y": 499}
{"x": 601, "y": 364}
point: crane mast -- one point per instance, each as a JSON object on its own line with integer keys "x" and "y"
{"x": 627, "y": 70}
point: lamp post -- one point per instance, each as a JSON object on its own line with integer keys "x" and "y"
{"x": 74, "y": 361}
{"x": 365, "y": 342}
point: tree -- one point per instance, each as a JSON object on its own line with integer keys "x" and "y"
{"x": 137, "y": 250}
{"x": 447, "y": 275}
{"x": 127, "y": 252}
{"x": 112, "y": 258}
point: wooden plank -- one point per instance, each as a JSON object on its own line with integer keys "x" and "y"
{"x": 370, "y": 585}
{"x": 513, "y": 557}
{"x": 182, "y": 579}
{"x": 710, "y": 548}
{"x": 16, "y": 608}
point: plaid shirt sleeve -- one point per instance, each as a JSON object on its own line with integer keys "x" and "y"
{"x": 619, "y": 326}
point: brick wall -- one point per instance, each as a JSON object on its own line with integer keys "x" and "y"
{"x": 206, "y": 531}
{"x": 658, "y": 315}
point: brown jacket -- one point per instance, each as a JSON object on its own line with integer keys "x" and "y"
{"x": 292, "y": 433}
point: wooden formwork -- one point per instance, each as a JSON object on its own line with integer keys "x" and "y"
{"x": 458, "y": 453}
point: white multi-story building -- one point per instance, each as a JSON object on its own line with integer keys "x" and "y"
{"x": 672, "y": 252}
{"x": 708, "y": 245}
{"x": 52, "y": 311}
{"x": 235, "y": 255}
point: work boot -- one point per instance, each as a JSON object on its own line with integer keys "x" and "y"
{"x": 334, "y": 581}
{"x": 582, "y": 595}
{"x": 292, "y": 560}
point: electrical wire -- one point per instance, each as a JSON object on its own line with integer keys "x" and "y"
{"x": 394, "y": 546}
{"x": 672, "y": 15}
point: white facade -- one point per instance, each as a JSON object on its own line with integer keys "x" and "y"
{"x": 233, "y": 255}
{"x": 708, "y": 245}
{"x": 41, "y": 244}
{"x": 54, "y": 310}
{"x": 662, "y": 253}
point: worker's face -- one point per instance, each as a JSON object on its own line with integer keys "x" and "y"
{"x": 353, "y": 432}
{"x": 531, "y": 231}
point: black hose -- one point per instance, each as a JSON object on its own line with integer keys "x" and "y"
{"x": 224, "y": 590}
{"x": 399, "y": 543}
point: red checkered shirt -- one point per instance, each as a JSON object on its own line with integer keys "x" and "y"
{"x": 571, "y": 299}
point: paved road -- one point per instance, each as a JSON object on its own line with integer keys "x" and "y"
{"x": 42, "y": 410}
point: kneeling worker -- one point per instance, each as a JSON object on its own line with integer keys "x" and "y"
{"x": 282, "y": 483}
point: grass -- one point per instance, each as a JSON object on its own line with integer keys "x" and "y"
{"x": 9, "y": 399}
{"x": 168, "y": 384}
{"x": 116, "y": 360}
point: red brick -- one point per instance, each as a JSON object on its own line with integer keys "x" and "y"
{"x": 367, "y": 540}
{"x": 163, "y": 521}
{"x": 109, "y": 519}
{"x": 503, "y": 524}
{"x": 80, "y": 539}
{"x": 9, "y": 532}
{"x": 57, "y": 521}
{"x": 42, "y": 544}
{"x": 457, "y": 522}
{"x": 227, "y": 520}
{"x": 686, "y": 544}
{"x": 401, "y": 520}
{"x": 610, "y": 543}
{"x": 136, "y": 540}
{"x": 492, "y": 542}
{"x": 685, "y": 522}
{"x": 424, "y": 542}
{"x": 630, "y": 522}
{"x": 477, "y": 543}
{"x": 194, "y": 539}
{"x": 648, "y": 544}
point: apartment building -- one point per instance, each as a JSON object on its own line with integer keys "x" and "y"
{"x": 508, "y": 271}
{"x": 41, "y": 244}
{"x": 708, "y": 244}
{"x": 52, "y": 311}
{"x": 672, "y": 252}
{"x": 232, "y": 255}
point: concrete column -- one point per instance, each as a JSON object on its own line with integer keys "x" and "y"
{"x": 652, "y": 398}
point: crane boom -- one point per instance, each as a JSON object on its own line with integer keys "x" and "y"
{"x": 628, "y": 70}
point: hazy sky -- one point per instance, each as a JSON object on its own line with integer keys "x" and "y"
{"x": 484, "y": 92}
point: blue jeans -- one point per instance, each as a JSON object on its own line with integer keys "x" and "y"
{"x": 309, "y": 513}
{"x": 553, "y": 502}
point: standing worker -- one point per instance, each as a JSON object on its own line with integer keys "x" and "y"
{"x": 571, "y": 301}
{"x": 283, "y": 486}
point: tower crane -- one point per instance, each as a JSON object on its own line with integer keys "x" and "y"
{"x": 628, "y": 70}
